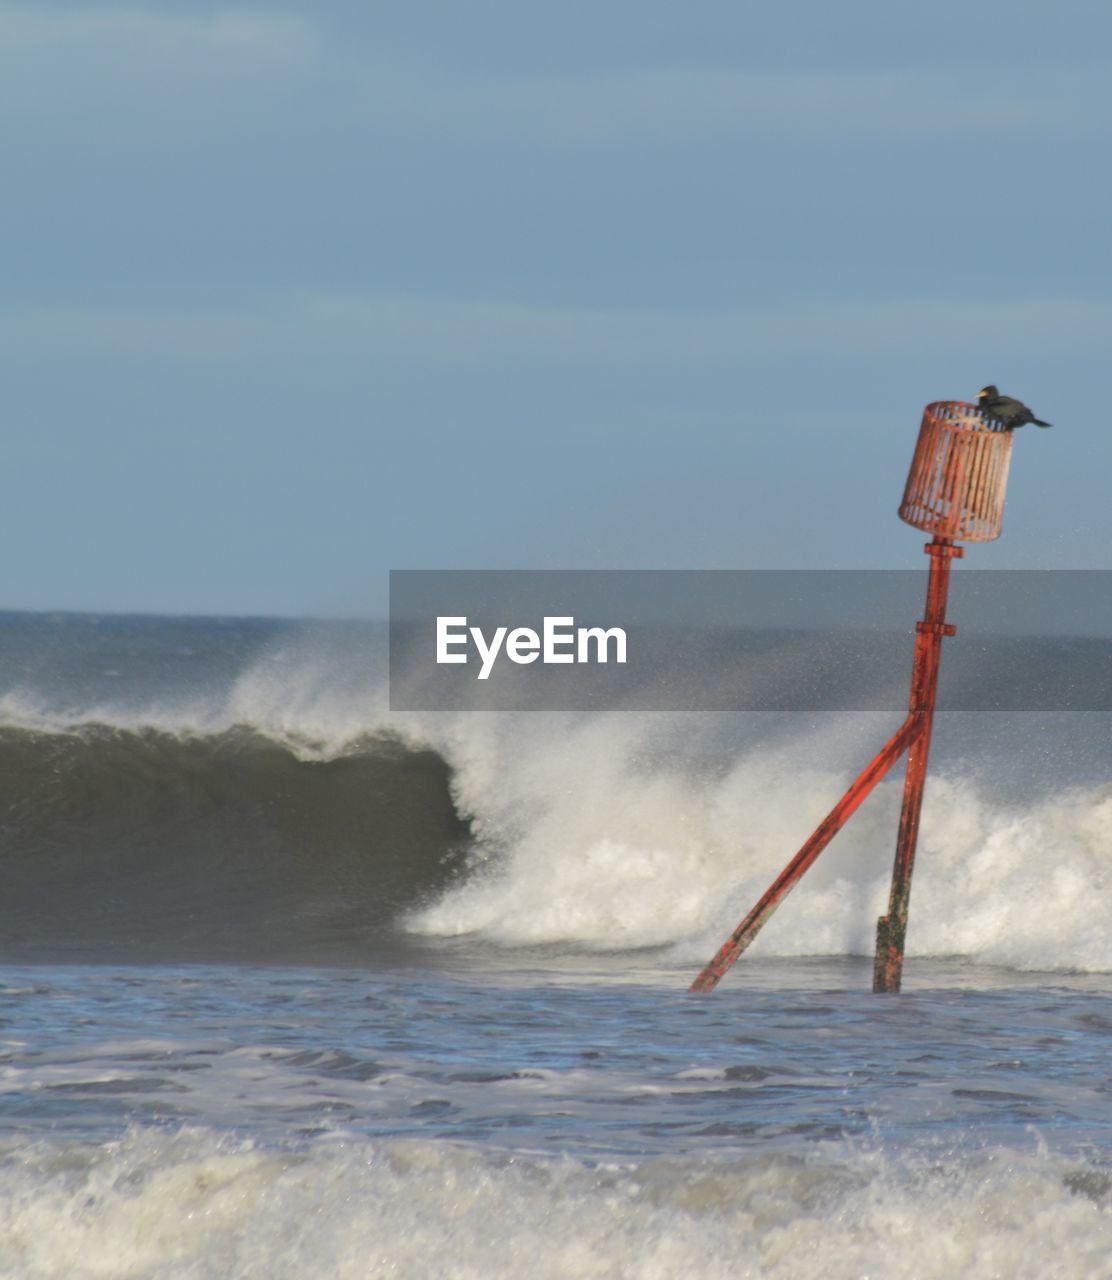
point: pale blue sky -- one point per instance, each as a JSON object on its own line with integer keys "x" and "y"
{"x": 295, "y": 294}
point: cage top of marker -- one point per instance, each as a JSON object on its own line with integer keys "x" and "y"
{"x": 959, "y": 474}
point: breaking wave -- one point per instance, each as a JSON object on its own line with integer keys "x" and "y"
{"x": 287, "y": 814}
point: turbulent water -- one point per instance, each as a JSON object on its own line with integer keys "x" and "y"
{"x": 292, "y": 985}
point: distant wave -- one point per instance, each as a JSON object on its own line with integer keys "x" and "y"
{"x": 149, "y": 845}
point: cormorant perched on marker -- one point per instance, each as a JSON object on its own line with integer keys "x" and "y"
{"x": 1008, "y": 412}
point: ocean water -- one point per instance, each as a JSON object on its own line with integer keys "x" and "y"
{"x": 291, "y": 985}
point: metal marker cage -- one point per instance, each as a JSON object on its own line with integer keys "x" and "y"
{"x": 959, "y": 474}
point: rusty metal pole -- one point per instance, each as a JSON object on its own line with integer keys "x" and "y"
{"x": 892, "y": 928}
{"x": 955, "y": 490}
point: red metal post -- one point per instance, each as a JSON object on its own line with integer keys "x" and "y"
{"x": 955, "y": 489}
{"x": 892, "y": 928}
{"x": 744, "y": 934}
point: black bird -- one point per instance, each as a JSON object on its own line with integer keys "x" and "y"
{"x": 1008, "y": 412}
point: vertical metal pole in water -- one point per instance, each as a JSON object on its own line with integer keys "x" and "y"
{"x": 892, "y": 928}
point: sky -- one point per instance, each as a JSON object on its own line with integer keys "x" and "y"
{"x": 295, "y": 294}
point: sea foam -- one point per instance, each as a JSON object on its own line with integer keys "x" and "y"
{"x": 197, "y": 1204}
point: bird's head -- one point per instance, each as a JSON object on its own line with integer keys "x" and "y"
{"x": 988, "y": 393}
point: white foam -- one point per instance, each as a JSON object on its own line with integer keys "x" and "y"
{"x": 198, "y": 1205}
{"x": 589, "y": 838}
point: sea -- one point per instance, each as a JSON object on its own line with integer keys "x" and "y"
{"x": 294, "y": 985}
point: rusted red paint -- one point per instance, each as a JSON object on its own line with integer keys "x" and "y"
{"x": 955, "y": 490}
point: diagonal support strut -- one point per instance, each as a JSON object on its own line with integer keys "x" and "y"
{"x": 744, "y": 934}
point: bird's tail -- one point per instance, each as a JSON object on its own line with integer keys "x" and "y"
{"x": 1039, "y": 422}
